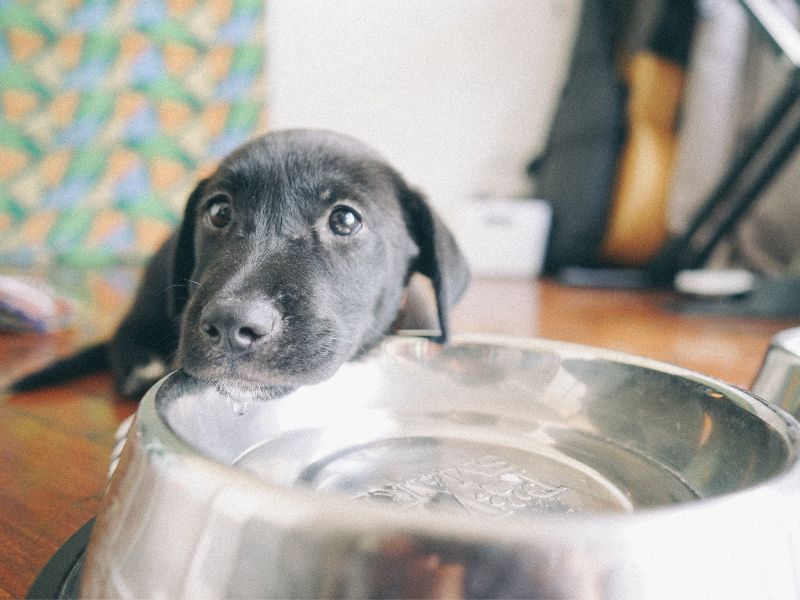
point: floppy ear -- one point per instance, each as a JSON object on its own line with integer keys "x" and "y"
{"x": 439, "y": 257}
{"x": 182, "y": 259}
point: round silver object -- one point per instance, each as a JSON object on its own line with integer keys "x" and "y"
{"x": 491, "y": 467}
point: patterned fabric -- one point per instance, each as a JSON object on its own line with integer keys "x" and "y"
{"x": 110, "y": 110}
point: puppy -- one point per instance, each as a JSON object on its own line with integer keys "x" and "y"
{"x": 291, "y": 259}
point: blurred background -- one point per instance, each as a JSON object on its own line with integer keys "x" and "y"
{"x": 555, "y": 133}
{"x": 110, "y": 112}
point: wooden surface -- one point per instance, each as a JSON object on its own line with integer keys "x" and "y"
{"x": 54, "y": 444}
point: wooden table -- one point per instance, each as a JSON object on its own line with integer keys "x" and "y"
{"x": 54, "y": 444}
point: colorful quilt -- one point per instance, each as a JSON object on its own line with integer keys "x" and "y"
{"x": 110, "y": 110}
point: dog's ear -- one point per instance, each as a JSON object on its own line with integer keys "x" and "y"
{"x": 439, "y": 256}
{"x": 182, "y": 259}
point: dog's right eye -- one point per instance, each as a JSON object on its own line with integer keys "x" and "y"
{"x": 344, "y": 221}
{"x": 219, "y": 212}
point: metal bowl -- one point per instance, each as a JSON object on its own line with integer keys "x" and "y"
{"x": 491, "y": 467}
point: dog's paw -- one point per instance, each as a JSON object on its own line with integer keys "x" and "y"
{"x": 142, "y": 377}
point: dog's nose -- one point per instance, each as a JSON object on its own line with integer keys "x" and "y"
{"x": 238, "y": 324}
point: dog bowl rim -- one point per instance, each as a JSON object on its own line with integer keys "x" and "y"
{"x": 335, "y": 512}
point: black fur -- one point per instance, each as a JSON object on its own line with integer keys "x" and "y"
{"x": 314, "y": 299}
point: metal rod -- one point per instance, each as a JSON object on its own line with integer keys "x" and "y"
{"x": 678, "y": 253}
{"x": 748, "y": 198}
{"x": 757, "y": 141}
{"x": 780, "y": 31}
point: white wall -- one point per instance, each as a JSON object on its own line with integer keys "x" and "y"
{"x": 457, "y": 94}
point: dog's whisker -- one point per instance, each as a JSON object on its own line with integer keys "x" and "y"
{"x": 182, "y": 285}
{"x": 172, "y": 358}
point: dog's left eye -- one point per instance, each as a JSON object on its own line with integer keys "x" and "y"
{"x": 344, "y": 221}
{"x": 219, "y": 212}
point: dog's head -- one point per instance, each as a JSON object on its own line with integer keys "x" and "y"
{"x": 293, "y": 256}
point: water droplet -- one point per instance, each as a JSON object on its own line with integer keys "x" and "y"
{"x": 240, "y": 406}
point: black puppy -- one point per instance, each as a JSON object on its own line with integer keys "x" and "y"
{"x": 291, "y": 259}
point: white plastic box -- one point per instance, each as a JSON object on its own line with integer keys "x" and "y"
{"x": 502, "y": 237}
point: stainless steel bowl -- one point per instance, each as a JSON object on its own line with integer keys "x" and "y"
{"x": 492, "y": 467}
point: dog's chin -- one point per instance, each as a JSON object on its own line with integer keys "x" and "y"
{"x": 253, "y": 385}
{"x": 247, "y": 392}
